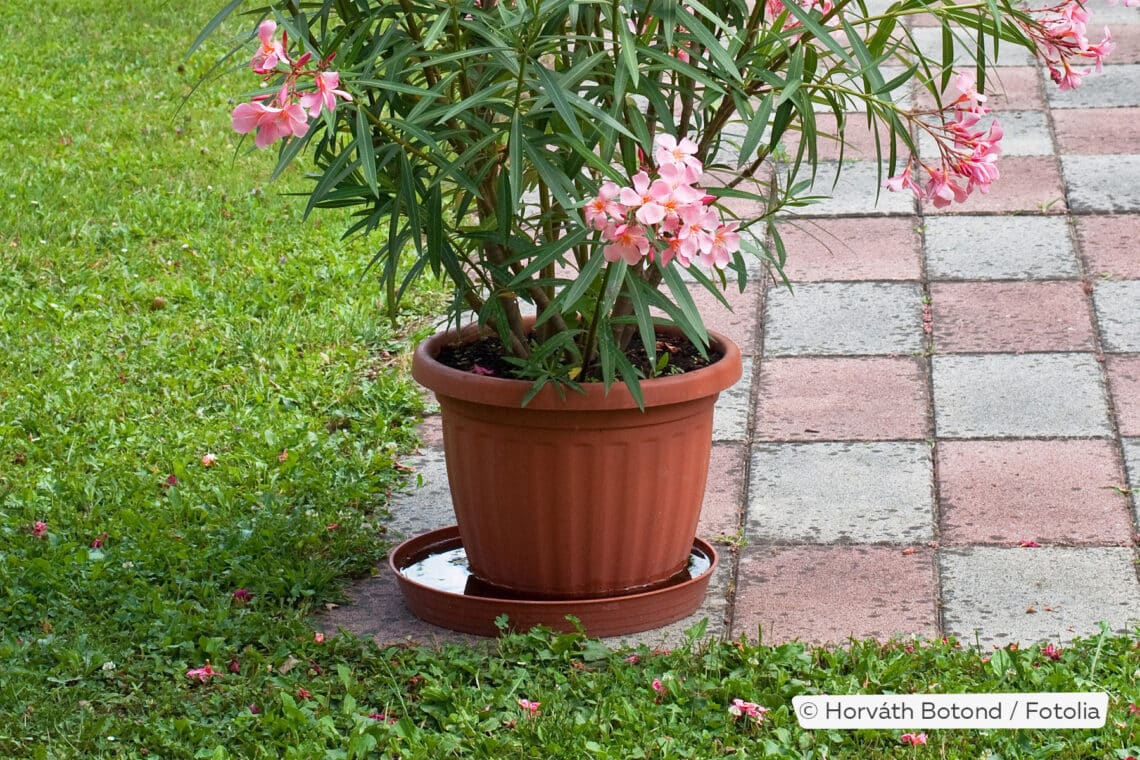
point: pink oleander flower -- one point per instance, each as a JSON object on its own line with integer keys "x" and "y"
{"x": 1029, "y": 543}
{"x": 380, "y": 717}
{"x": 725, "y": 242}
{"x": 302, "y": 693}
{"x": 203, "y": 673}
{"x": 254, "y": 710}
{"x": 477, "y": 369}
{"x": 605, "y": 208}
{"x": 903, "y": 181}
{"x": 318, "y": 638}
{"x": 242, "y": 595}
{"x": 39, "y": 529}
{"x": 209, "y": 460}
{"x": 912, "y": 739}
{"x": 941, "y": 190}
{"x": 627, "y": 242}
{"x": 739, "y": 708}
{"x": 668, "y": 150}
{"x": 325, "y": 95}
{"x": 271, "y": 123}
{"x": 530, "y": 707}
{"x": 657, "y": 685}
{"x": 1052, "y": 652}
{"x": 98, "y": 542}
{"x": 645, "y": 199}
{"x": 271, "y": 51}
{"x": 633, "y": 659}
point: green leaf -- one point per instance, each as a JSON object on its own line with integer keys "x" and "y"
{"x": 213, "y": 24}
{"x": 628, "y": 49}
{"x": 755, "y": 133}
{"x": 555, "y": 91}
{"x": 410, "y": 201}
{"x": 366, "y": 152}
{"x": 585, "y": 277}
{"x": 514, "y": 156}
{"x": 690, "y": 316}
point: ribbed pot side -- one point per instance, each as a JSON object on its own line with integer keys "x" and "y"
{"x": 582, "y": 496}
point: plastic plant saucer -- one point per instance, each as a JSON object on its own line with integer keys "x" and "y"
{"x": 431, "y": 570}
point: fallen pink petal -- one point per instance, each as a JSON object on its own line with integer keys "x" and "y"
{"x": 203, "y": 674}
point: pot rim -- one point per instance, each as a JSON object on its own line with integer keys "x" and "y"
{"x": 509, "y": 392}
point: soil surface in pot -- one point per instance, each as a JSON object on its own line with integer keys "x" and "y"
{"x": 486, "y": 357}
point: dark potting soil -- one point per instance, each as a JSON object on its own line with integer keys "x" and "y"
{"x": 486, "y": 357}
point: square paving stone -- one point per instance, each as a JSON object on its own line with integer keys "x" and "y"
{"x": 966, "y": 44}
{"x": 859, "y": 191}
{"x": 1117, "y": 87}
{"x": 733, "y": 408}
{"x": 1025, "y": 133}
{"x": 856, "y": 248}
{"x": 1009, "y": 88}
{"x": 1070, "y": 590}
{"x": 833, "y": 318}
{"x": 1118, "y": 312}
{"x": 841, "y": 492}
{"x": 1011, "y": 317}
{"x": 1027, "y": 184}
{"x": 1052, "y": 492}
{"x": 1124, "y": 387}
{"x": 1102, "y": 183}
{"x": 1132, "y": 462}
{"x": 1115, "y": 131}
{"x": 812, "y": 399}
{"x": 723, "y": 505}
{"x": 827, "y": 595}
{"x": 1019, "y": 396}
{"x": 999, "y": 248}
{"x": 1108, "y": 244}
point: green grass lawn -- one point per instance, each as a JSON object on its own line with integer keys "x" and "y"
{"x": 160, "y": 302}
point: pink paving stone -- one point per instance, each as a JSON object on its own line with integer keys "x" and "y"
{"x": 1011, "y": 317}
{"x": 1009, "y": 88}
{"x": 1108, "y": 244}
{"x": 1027, "y": 183}
{"x": 724, "y": 492}
{"x": 738, "y": 323}
{"x": 852, "y": 249}
{"x": 1124, "y": 385}
{"x": 811, "y": 399}
{"x": 826, "y": 595}
{"x": 1093, "y": 131}
{"x": 1126, "y": 37}
{"x": 858, "y": 135}
{"x": 1052, "y": 492}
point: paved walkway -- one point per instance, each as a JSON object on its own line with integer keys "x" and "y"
{"x": 939, "y": 431}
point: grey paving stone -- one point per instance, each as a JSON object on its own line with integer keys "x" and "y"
{"x": 1114, "y": 14}
{"x": 999, "y": 248}
{"x": 1019, "y": 395}
{"x": 859, "y": 192}
{"x": 1025, "y": 133}
{"x": 1118, "y": 313}
{"x": 991, "y": 591}
{"x": 1109, "y": 183}
{"x": 841, "y": 492}
{"x": 1132, "y": 463}
{"x": 1117, "y": 86}
{"x": 835, "y": 318}
{"x": 929, "y": 41}
{"x": 730, "y": 416}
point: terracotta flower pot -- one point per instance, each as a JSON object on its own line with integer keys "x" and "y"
{"x": 578, "y": 497}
